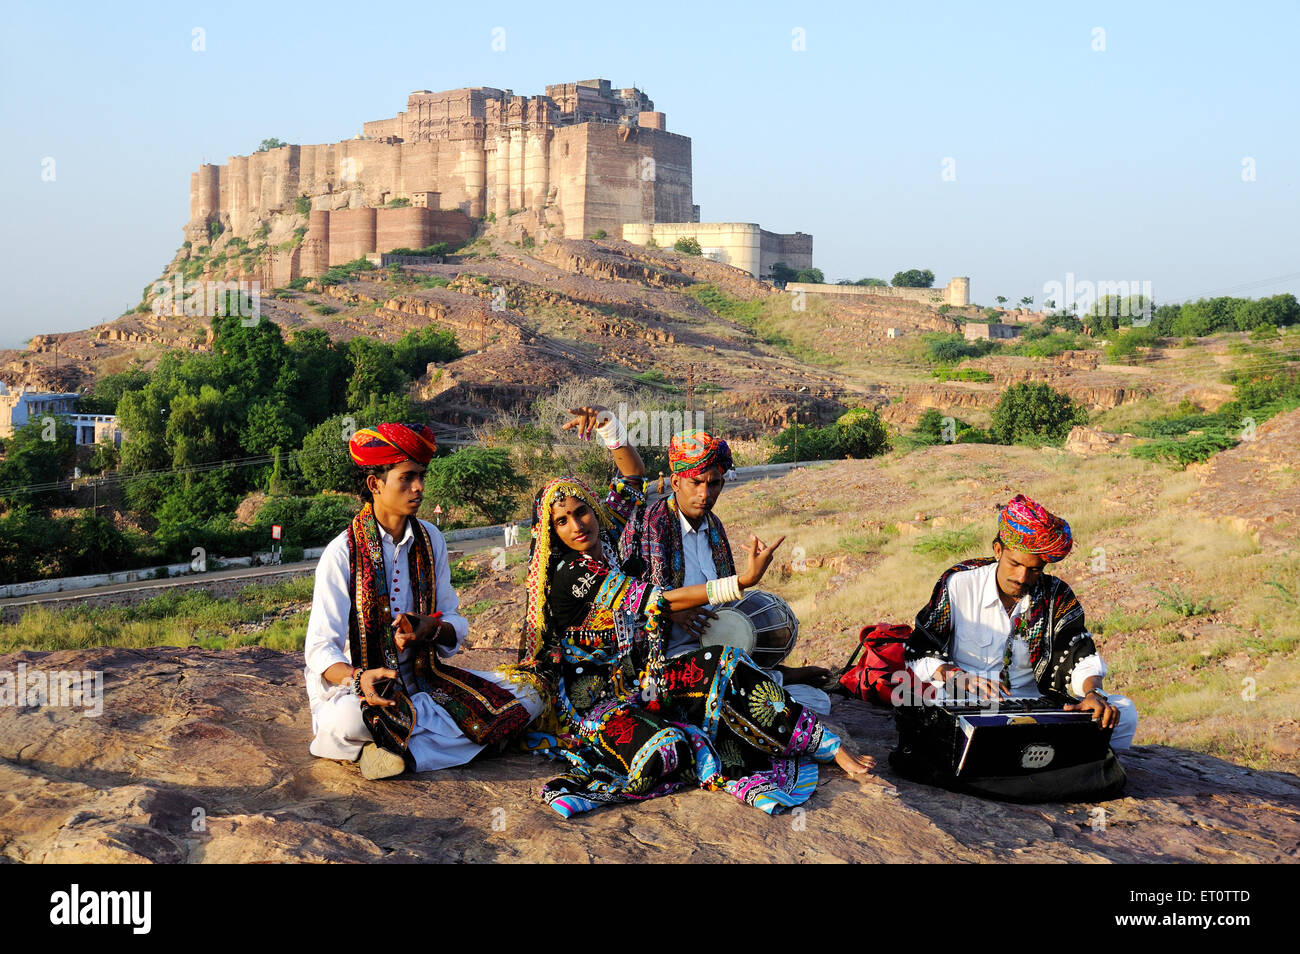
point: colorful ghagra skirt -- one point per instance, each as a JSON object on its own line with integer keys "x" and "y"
{"x": 722, "y": 724}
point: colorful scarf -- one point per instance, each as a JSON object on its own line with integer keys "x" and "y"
{"x": 485, "y": 712}
{"x": 391, "y": 444}
{"x": 1052, "y": 629}
{"x": 651, "y": 545}
{"x": 1027, "y": 527}
{"x": 692, "y": 452}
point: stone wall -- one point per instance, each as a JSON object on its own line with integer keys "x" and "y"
{"x": 955, "y": 293}
{"x": 740, "y": 244}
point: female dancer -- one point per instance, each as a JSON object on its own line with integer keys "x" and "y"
{"x": 632, "y": 726}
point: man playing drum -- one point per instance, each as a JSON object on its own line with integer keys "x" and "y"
{"x": 679, "y": 541}
{"x": 1002, "y": 628}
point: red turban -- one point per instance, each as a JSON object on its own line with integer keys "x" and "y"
{"x": 1029, "y": 528}
{"x": 692, "y": 452}
{"x": 391, "y": 444}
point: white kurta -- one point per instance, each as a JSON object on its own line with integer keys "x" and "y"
{"x": 982, "y": 626}
{"x": 339, "y": 733}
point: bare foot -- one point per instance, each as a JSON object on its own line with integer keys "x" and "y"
{"x": 854, "y": 765}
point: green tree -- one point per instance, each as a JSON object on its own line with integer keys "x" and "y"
{"x": 42, "y": 451}
{"x": 108, "y": 390}
{"x": 97, "y": 545}
{"x": 783, "y": 273}
{"x": 688, "y": 245}
{"x": 271, "y": 423}
{"x": 373, "y": 371}
{"x": 324, "y": 460}
{"x": 858, "y": 433}
{"x": 478, "y": 477}
{"x": 272, "y": 143}
{"x": 322, "y": 369}
{"x": 914, "y": 278}
{"x": 1033, "y": 414}
{"x": 811, "y": 275}
{"x": 417, "y": 349}
{"x": 104, "y": 457}
{"x": 861, "y": 433}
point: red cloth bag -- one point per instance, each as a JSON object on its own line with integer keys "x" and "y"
{"x": 869, "y": 673}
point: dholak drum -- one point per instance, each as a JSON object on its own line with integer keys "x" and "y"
{"x": 762, "y": 624}
{"x": 1027, "y": 750}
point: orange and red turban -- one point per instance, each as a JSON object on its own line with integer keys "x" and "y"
{"x": 692, "y": 452}
{"x": 391, "y": 444}
{"x": 1026, "y": 526}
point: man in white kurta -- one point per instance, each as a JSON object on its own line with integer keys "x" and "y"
{"x": 339, "y": 733}
{"x": 981, "y": 609}
{"x": 982, "y": 627}
{"x": 392, "y": 459}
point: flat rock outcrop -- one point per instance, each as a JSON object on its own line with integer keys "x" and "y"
{"x": 202, "y": 756}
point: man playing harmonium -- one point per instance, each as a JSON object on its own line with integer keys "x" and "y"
{"x": 1002, "y": 628}
{"x": 678, "y": 541}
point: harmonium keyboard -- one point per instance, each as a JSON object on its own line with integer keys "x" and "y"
{"x": 1020, "y": 749}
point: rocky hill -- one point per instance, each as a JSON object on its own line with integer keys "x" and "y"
{"x": 529, "y": 318}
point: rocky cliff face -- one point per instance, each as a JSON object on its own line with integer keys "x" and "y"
{"x": 202, "y": 756}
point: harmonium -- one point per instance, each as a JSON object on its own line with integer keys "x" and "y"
{"x": 1021, "y": 750}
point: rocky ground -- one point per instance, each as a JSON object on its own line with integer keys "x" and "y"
{"x": 202, "y": 756}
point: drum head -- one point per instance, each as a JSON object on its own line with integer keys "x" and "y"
{"x": 731, "y": 628}
{"x": 761, "y": 624}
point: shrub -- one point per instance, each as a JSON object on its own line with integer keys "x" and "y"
{"x": 599, "y": 234}
{"x": 859, "y": 433}
{"x": 1033, "y": 414}
{"x": 930, "y": 430}
{"x": 302, "y": 204}
{"x": 1045, "y": 346}
{"x": 951, "y": 348}
{"x": 978, "y": 375}
{"x": 688, "y": 245}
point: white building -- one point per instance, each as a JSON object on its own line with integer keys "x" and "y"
{"x": 18, "y": 409}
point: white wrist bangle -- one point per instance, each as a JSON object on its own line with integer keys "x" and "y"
{"x": 612, "y": 433}
{"x": 725, "y": 590}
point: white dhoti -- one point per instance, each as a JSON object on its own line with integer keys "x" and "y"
{"x": 436, "y": 743}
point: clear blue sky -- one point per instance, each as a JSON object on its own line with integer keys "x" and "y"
{"x": 1119, "y": 164}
